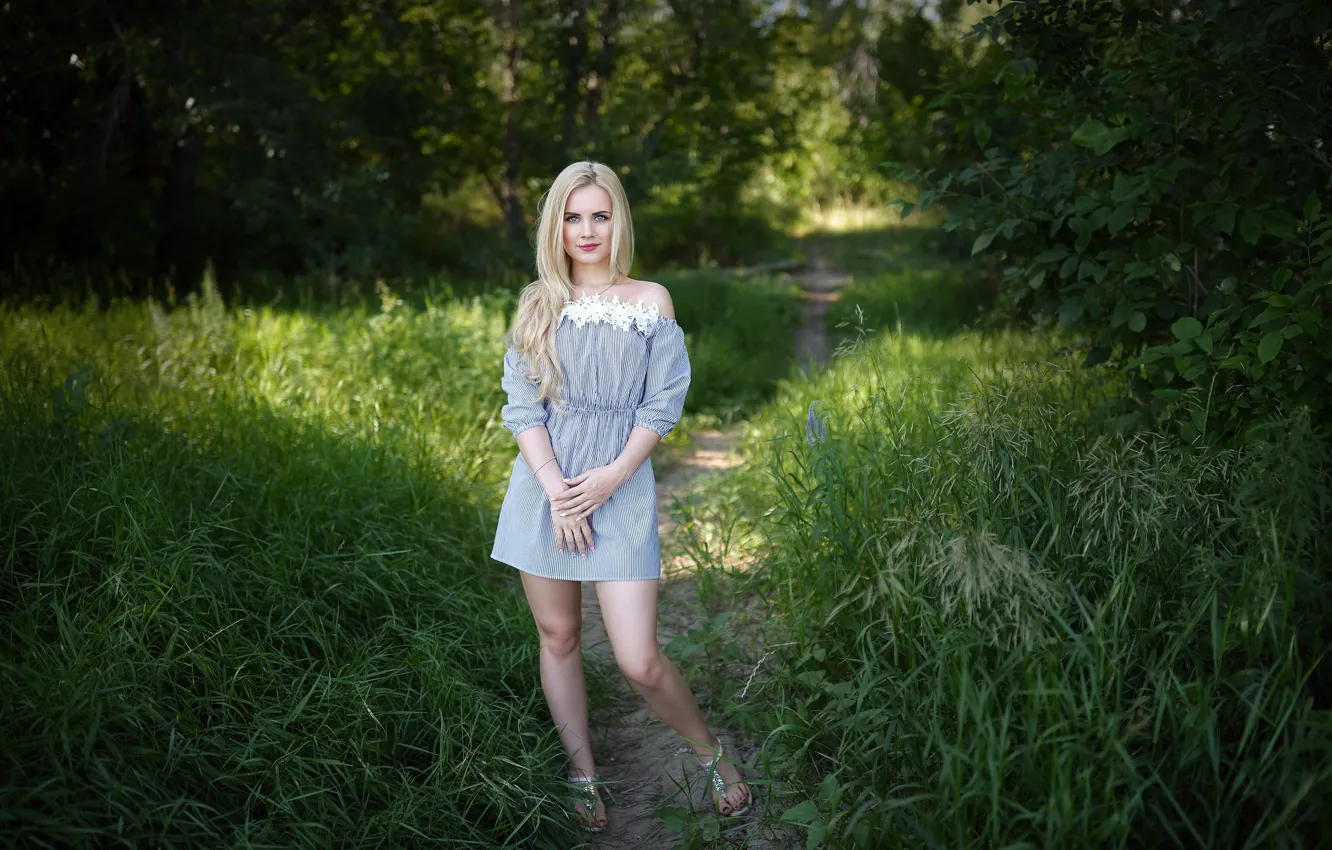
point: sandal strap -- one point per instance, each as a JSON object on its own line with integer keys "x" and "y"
{"x": 585, "y": 785}
{"x": 714, "y": 776}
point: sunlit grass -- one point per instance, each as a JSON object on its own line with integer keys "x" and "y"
{"x": 247, "y": 592}
{"x": 993, "y": 621}
{"x": 246, "y": 584}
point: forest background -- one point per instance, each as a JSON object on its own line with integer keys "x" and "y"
{"x": 1048, "y": 567}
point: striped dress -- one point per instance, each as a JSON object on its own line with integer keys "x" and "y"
{"x": 624, "y": 365}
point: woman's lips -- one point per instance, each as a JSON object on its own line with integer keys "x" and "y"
{"x": 589, "y": 248}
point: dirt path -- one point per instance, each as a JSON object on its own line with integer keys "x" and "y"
{"x": 822, "y": 284}
{"x": 641, "y": 759}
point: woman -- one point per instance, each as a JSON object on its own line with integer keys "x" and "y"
{"x": 596, "y": 373}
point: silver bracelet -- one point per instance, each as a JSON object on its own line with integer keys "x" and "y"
{"x": 538, "y": 469}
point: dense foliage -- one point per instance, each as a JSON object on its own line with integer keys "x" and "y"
{"x": 988, "y": 620}
{"x": 1155, "y": 175}
{"x": 351, "y": 141}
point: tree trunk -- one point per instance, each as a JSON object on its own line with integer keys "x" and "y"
{"x": 510, "y": 198}
{"x": 575, "y": 57}
{"x": 604, "y": 66}
{"x": 172, "y": 263}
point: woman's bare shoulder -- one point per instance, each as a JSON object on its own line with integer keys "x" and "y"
{"x": 651, "y": 292}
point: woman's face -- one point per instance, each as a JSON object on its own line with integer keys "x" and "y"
{"x": 587, "y": 226}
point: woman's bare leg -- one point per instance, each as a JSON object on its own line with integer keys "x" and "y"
{"x": 557, "y": 608}
{"x": 629, "y": 610}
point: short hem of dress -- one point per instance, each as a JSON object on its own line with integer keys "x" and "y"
{"x": 520, "y": 569}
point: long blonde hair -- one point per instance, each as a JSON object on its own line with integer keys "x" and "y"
{"x": 540, "y": 303}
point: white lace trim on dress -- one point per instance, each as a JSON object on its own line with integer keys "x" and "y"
{"x": 621, "y": 314}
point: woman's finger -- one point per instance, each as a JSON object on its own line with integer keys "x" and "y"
{"x": 585, "y": 534}
{"x": 576, "y": 505}
{"x": 560, "y": 498}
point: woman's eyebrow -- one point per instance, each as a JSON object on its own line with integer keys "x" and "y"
{"x": 598, "y": 212}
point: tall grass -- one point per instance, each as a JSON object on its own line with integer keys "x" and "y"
{"x": 246, "y": 592}
{"x": 741, "y": 335}
{"x": 993, "y": 622}
{"x": 911, "y": 279}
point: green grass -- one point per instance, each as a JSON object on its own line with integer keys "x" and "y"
{"x": 246, "y": 587}
{"x": 247, "y": 598}
{"x": 995, "y": 622}
{"x": 741, "y": 336}
{"x": 911, "y": 280}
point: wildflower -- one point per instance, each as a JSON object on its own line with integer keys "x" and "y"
{"x": 816, "y": 426}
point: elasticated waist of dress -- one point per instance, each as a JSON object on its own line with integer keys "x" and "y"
{"x": 569, "y": 408}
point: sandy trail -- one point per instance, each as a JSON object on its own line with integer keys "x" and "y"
{"x": 639, "y": 757}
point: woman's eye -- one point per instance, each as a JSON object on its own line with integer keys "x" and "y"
{"x": 603, "y": 218}
{"x": 571, "y": 218}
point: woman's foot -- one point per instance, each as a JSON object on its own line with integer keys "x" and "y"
{"x": 730, "y": 794}
{"x": 589, "y": 809}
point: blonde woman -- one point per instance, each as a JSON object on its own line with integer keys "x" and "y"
{"x": 596, "y": 373}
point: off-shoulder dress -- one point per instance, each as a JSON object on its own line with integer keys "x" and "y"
{"x": 624, "y": 364}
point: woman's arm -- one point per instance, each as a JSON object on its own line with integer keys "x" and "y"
{"x": 536, "y": 449}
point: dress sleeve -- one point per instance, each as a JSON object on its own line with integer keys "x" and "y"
{"x": 523, "y": 411}
{"x": 667, "y": 378}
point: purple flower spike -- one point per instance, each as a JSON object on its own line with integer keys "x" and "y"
{"x": 816, "y": 426}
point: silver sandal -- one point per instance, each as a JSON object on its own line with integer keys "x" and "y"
{"x": 719, "y": 785}
{"x": 585, "y": 794}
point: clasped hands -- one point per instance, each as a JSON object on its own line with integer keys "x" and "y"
{"x": 571, "y": 507}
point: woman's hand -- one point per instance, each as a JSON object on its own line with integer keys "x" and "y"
{"x": 588, "y": 491}
{"x": 572, "y": 534}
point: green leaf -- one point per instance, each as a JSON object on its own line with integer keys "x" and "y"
{"x": 1172, "y": 260}
{"x": 802, "y": 814}
{"x": 830, "y": 790}
{"x": 675, "y": 817}
{"x": 1312, "y": 206}
{"x": 1100, "y": 138}
{"x": 1251, "y": 226}
{"x": 1186, "y": 328}
{"x": 817, "y": 833}
{"x": 1120, "y": 315}
{"x": 1070, "y": 311}
{"x": 982, "y": 242}
{"x": 1096, "y": 357}
{"x": 1069, "y": 265}
{"x": 1204, "y": 342}
{"x": 1190, "y": 368}
{"x": 711, "y": 829}
{"x": 1120, "y": 218}
{"x": 1225, "y": 218}
{"x": 982, "y": 130}
{"x": 1137, "y": 322}
{"x": 1036, "y": 280}
{"x": 1270, "y": 346}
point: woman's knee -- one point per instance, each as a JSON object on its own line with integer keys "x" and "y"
{"x": 645, "y": 671}
{"x": 560, "y": 639}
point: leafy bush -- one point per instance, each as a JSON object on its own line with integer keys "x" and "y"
{"x": 1153, "y": 175}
